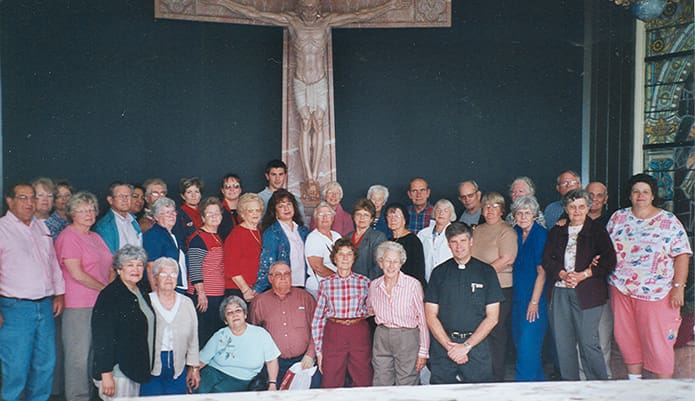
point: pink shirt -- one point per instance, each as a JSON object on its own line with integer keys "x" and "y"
{"x": 28, "y": 265}
{"x": 404, "y": 308}
{"x": 95, "y": 259}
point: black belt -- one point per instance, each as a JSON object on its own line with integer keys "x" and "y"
{"x": 26, "y": 299}
{"x": 460, "y": 335}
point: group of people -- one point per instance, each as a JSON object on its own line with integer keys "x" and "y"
{"x": 229, "y": 293}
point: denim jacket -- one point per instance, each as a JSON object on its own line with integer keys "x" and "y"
{"x": 276, "y": 246}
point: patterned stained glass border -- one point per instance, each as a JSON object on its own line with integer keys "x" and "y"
{"x": 671, "y": 39}
{"x": 676, "y": 12}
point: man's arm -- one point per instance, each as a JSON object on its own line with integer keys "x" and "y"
{"x": 459, "y": 352}
{"x": 435, "y": 325}
{"x": 251, "y": 12}
{"x": 366, "y": 14}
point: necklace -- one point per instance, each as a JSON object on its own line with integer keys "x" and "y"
{"x": 253, "y": 234}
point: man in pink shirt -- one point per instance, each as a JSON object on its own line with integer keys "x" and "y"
{"x": 31, "y": 295}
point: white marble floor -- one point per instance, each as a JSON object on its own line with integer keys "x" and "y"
{"x": 615, "y": 390}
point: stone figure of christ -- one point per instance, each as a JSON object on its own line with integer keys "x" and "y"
{"x": 309, "y": 32}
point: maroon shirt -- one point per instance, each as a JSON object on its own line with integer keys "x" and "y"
{"x": 287, "y": 320}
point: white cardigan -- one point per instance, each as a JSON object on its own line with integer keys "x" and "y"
{"x": 436, "y": 249}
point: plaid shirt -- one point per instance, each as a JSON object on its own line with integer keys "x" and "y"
{"x": 339, "y": 298}
{"x": 418, "y": 221}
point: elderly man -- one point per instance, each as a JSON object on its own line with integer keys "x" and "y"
{"x": 155, "y": 188}
{"x": 286, "y": 313}
{"x": 566, "y": 181}
{"x": 599, "y": 199}
{"x": 420, "y": 209}
{"x": 118, "y": 227}
{"x": 523, "y": 186}
{"x": 31, "y": 296}
{"x": 461, "y": 306}
{"x": 470, "y": 195}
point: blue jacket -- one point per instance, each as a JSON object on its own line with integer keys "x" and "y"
{"x": 276, "y": 246}
{"x": 106, "y": 228}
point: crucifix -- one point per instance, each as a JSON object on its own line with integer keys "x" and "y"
{"x": 308, "y": 126}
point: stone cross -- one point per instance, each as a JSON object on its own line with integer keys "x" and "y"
{"x": 308, "y": 126}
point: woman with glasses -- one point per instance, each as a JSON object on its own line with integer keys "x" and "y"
{"x": 206, "y": 268}
{"x": 86, "y": 263}
{"x": 242, "y": 249}
{"x": 230, "y": 191}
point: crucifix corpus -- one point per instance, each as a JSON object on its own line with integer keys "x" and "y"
{"x": 308, "y": 126}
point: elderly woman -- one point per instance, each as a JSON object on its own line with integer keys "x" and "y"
{"x": 242, "y": 249}
{"x": 58, "y": 220}
{"x": 123, "y": 329}
{"x": 342, "y": 222}
{"x": 577, "y": 258}
{"x": 230, "y": 189}
{"x": 529, "y": 307}
{"x": 523, "y": 186}
{"x": 396, "y": 301}
{"x": 237, "y": 353}
{"x": 283, "y": 239}
{"x": 162, "y": 240}
{"x": 340, "y": 331}
{"x": 365, "y": 239}
{"x": 648, "y": 282}
{"x": 86, "y": 263}
{"x": 495, "y": 244}
{"x": 206, "y": 268}
{"x": 379, "y": 195}
{"x": 44, "y": 188}
{"x": 397, "y": 217}
{"x": 434, "y": 244}
{"x": 188, "y": 217}
{"x": 317, "y": 247}
{"x": 176, "y": 341}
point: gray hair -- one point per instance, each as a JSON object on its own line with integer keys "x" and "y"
{"x": 162, "y": 262}
{"x": 161, "y": 203}
{"x": 79, "y": 199}
{"x": 445, "y": 203}
{"x": 526, "y": 180}
{"x": 247, "y": 199}
{"x": 323, "y": 204}
{"x": 232, "y": 299}
{"x": 526, "y": 202}
{"x": 150, "y": 182}
{"x": 575, "y": 194}
{"x": 378, "y": 188}
{"x": 570, "y": 172}
{"x": 472, "y": 182}
{"x": 45, "y": 182}
{"x": 391, "y": 246}
{"x": 128, "y": 253}
{"x": 277, "y": 263}
{"x": 333, "y": 185}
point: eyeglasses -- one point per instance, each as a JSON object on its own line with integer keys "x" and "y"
{"x": 158, "y": 194}
{"x": 468, "y": 196}
{"x": 568, "y": 183}
{"x": 86, "y": 211}
{"x": 122, "y": 196}
{"x": 44, "y": 196}
{"x": 491, "y": 206}
{"x": 282, "y": 275}
{"x": 523, "y": 213}
{"x": 233, "y": 312}
{"x": 213, "y": 214}
{"x": 25, "y": 198}
{"x": 231, "y": 186}
{"x": 165, "y": 274}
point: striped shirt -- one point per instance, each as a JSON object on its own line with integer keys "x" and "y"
{"x": 206, "y": 263}
{"x": 339, "y": 298}
{"x": 403, "y": 308}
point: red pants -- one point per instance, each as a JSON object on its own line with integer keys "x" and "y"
{"x": 346, "y": 348}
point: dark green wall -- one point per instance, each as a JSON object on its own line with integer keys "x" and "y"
{"x": 99, "y": 90}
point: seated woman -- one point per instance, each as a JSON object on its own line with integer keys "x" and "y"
{"x": 397, "y": 218}
{"x": 283, "y": 239}
{"x": 188, "y": 217}
{"x": 123, "y": 325}
{"x": 379, "y": 195}
{"x": 176, "y": 342}
{"x": 366, "y": 239}
{"x": 236, "y": 354}
{"x": 577, "y": 259}
{"x": 434, "y": 244}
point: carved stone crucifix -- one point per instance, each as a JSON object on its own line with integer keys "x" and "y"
{"x": 308, "y": 126}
